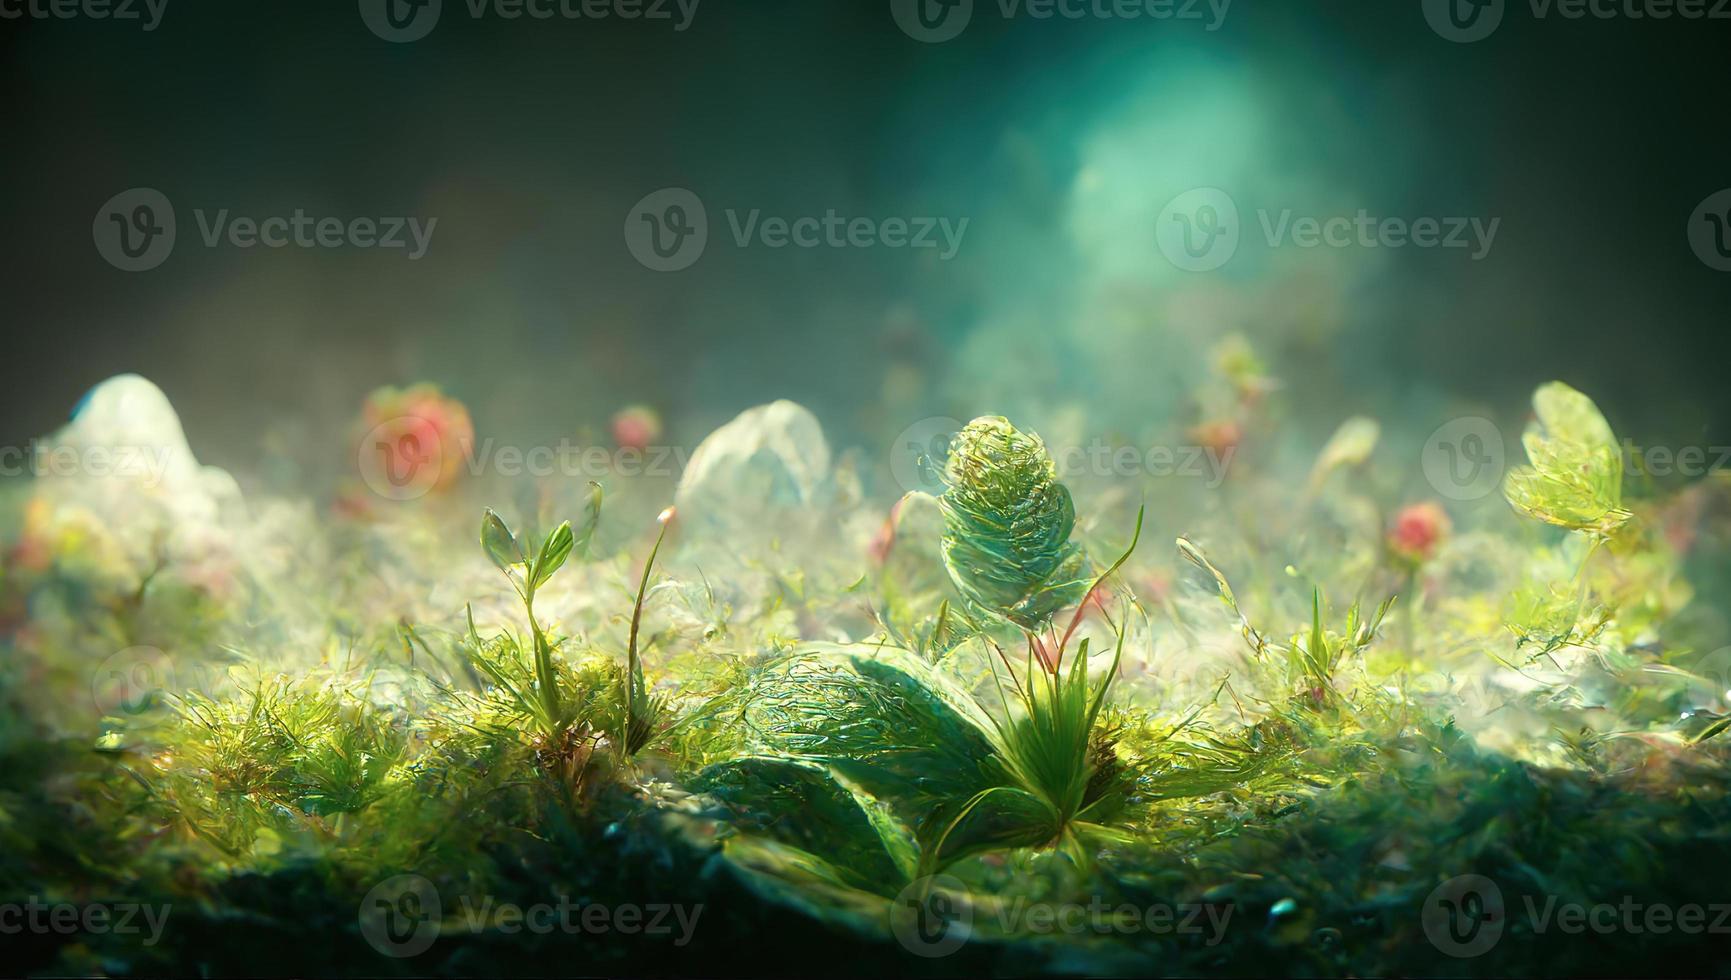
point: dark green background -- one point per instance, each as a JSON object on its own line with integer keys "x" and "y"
{"x": 1592, "y": 140}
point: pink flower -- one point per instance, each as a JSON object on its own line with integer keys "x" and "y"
{"x": 1220, "y": 436}
{"x": 413, "y": 441}
{"x": 1417, "y": 530}
{"x": 636, "y": 427}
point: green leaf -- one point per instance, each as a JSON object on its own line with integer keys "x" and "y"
{"x": 1711, "y": 730}
{"x": 1570, "y": 416}
{"x": 805, "y": 805}
{"x": 498, "y": 541}
{"x": 591, "y": 518}
{"x": 1216, "y": 580}
{"x": 882, "y": 718}
{"x": 897, "y": 840}
{"x": 554, "y": 551}
{"x": 1575, "y": 476}
{"x": 997, "y": 817}
{"x": 1318, "y": 645}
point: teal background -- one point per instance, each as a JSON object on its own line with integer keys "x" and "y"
{"x": 1591, "y": 141}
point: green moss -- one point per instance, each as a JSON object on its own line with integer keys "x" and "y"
{"x": 1209, "y": 731}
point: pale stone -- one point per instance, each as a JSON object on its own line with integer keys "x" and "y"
{"x": 769, "y": 464}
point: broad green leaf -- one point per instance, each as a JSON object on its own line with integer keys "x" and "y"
{"x": 1575, "y": 474}
{"x": 1570, "y": 416}
{"x": 885, "y": 721}
{"x": 897, "y": 840}
{"x": 802, "y": 804}
{"x": 881, "y": 715}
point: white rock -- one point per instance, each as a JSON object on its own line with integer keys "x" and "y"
{"x": 124, "y": 459}
{"x": 769, "y": 465}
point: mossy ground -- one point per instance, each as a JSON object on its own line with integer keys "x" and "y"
{"x": 1288, "y": 786}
